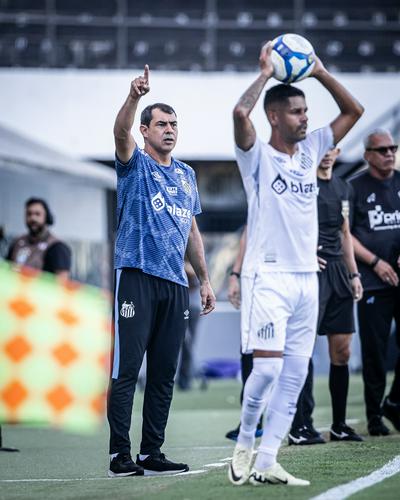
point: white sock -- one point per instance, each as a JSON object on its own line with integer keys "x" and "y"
{"x": 143, "y": 457}
{"x": 281, "y": 409}
{"x": 258, "y": 386}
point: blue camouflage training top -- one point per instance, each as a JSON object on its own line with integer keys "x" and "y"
{"x": 155, "y": 205}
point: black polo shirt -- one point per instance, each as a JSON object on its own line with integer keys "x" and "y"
{"x": 376, "y": 222}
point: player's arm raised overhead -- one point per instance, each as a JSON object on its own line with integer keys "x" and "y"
{"x": 350, "y": 109}
{"x": 245, "y": 134}
{"x": 124, "y": 142}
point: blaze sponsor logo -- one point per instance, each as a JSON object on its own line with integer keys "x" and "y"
{"x": 380, "y": 220}
{"x": 266, "y": 332}
{"x": 303, "y": 187}
{"x": 279, "y": 184}
{"x": 172, "y": 190}
{"x": 371, "y": 198}
{"x": 158, "y": 203}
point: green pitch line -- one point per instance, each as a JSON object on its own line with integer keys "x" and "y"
{"x": 195, "y": 434}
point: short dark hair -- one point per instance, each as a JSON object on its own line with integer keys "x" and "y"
{"x": 280, "y": 93}
{"x": 49, "y": 215}
{"x": 147, "y": 113}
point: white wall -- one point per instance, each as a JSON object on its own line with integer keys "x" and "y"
{"x": 74, "y": 111}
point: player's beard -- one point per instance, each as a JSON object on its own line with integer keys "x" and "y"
{"x": 36, "y": 229}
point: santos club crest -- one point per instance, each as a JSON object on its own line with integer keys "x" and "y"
{"x": 127, "y": 310}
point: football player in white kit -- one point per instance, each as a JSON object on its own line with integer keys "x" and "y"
{"x": 284, "y": 293}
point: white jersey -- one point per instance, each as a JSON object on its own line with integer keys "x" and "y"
{"x": 282, "y": 198}
{"x": 250, "y": 257}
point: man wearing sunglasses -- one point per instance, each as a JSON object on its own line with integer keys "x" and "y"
{"x": 376, "y": 239}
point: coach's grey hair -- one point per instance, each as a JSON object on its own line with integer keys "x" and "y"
{"x": 376, "y": 131}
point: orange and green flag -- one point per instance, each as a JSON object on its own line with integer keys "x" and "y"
{"x": 54, "y": 350}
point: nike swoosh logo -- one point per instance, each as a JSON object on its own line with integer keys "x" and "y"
{"x": 297, "y": 440}
{"x": 341, "y": 435}
{"x": 234, "y": 476}
{"x": 280, "y": 481}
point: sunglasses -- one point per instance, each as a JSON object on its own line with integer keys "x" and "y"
{"x": 384, "y": 149}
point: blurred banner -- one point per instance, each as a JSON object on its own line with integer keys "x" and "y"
{"x": 54, "y": 350}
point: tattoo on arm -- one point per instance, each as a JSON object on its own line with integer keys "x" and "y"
{"x": 250, "y": 97}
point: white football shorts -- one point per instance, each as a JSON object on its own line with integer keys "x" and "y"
{"x": 280, "y": 312}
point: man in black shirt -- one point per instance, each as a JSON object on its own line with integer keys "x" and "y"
{"x": 339, "y": 285}
{"x": 39, "y": 248}
{"x": 376, "y": 239}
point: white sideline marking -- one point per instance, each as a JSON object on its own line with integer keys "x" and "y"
{"x": 217, "y": 464}
{"x": 55, "y": 480}
{"x": 345, "y": 490}
{"x": 68, "y": 480}
{"x": 189, "y": 472}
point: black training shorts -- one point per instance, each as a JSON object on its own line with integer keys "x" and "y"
{"x": 336, "y": 305}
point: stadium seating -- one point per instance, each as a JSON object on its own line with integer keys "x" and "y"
{"x": 194, "y": 36}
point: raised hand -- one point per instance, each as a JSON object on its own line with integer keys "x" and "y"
{"x": 318, "y": 67}
{"x": 265, "y": 60}
{"x": 140, "y": 85}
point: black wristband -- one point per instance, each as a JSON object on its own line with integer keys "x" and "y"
{"x": 354, "y": 275}
{"x": 374, "y": 262}
{"x": 234, "y": 273}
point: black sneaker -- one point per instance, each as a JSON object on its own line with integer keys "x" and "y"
{"x": 392, "y": 412}
{"x": 123, "y": 465}
{"x": 159, "y": 465}
{"x": 342, "y": 432}
{"x": 234, "y": 433}
{"x": 305, "y": 435}
{"x": 376, "y": 427}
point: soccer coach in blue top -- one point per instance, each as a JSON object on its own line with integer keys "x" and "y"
{"x": 157, "y": 201}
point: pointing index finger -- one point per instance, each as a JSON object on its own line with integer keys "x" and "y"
{"x": 146, "y": 73}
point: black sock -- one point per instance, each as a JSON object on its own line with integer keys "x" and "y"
{"x": 394, "y": 394}
{"x": 339, "y": 388}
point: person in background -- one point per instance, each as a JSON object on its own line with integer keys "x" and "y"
{"x": 39, "y": 248}
{"x": 339, "y": 285}
{"x": 376, "y": 239}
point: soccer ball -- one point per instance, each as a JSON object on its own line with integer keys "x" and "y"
{"x": 293, "y": 58}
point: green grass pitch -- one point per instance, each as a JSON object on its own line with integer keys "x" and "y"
{"x": 195, "y": 434}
